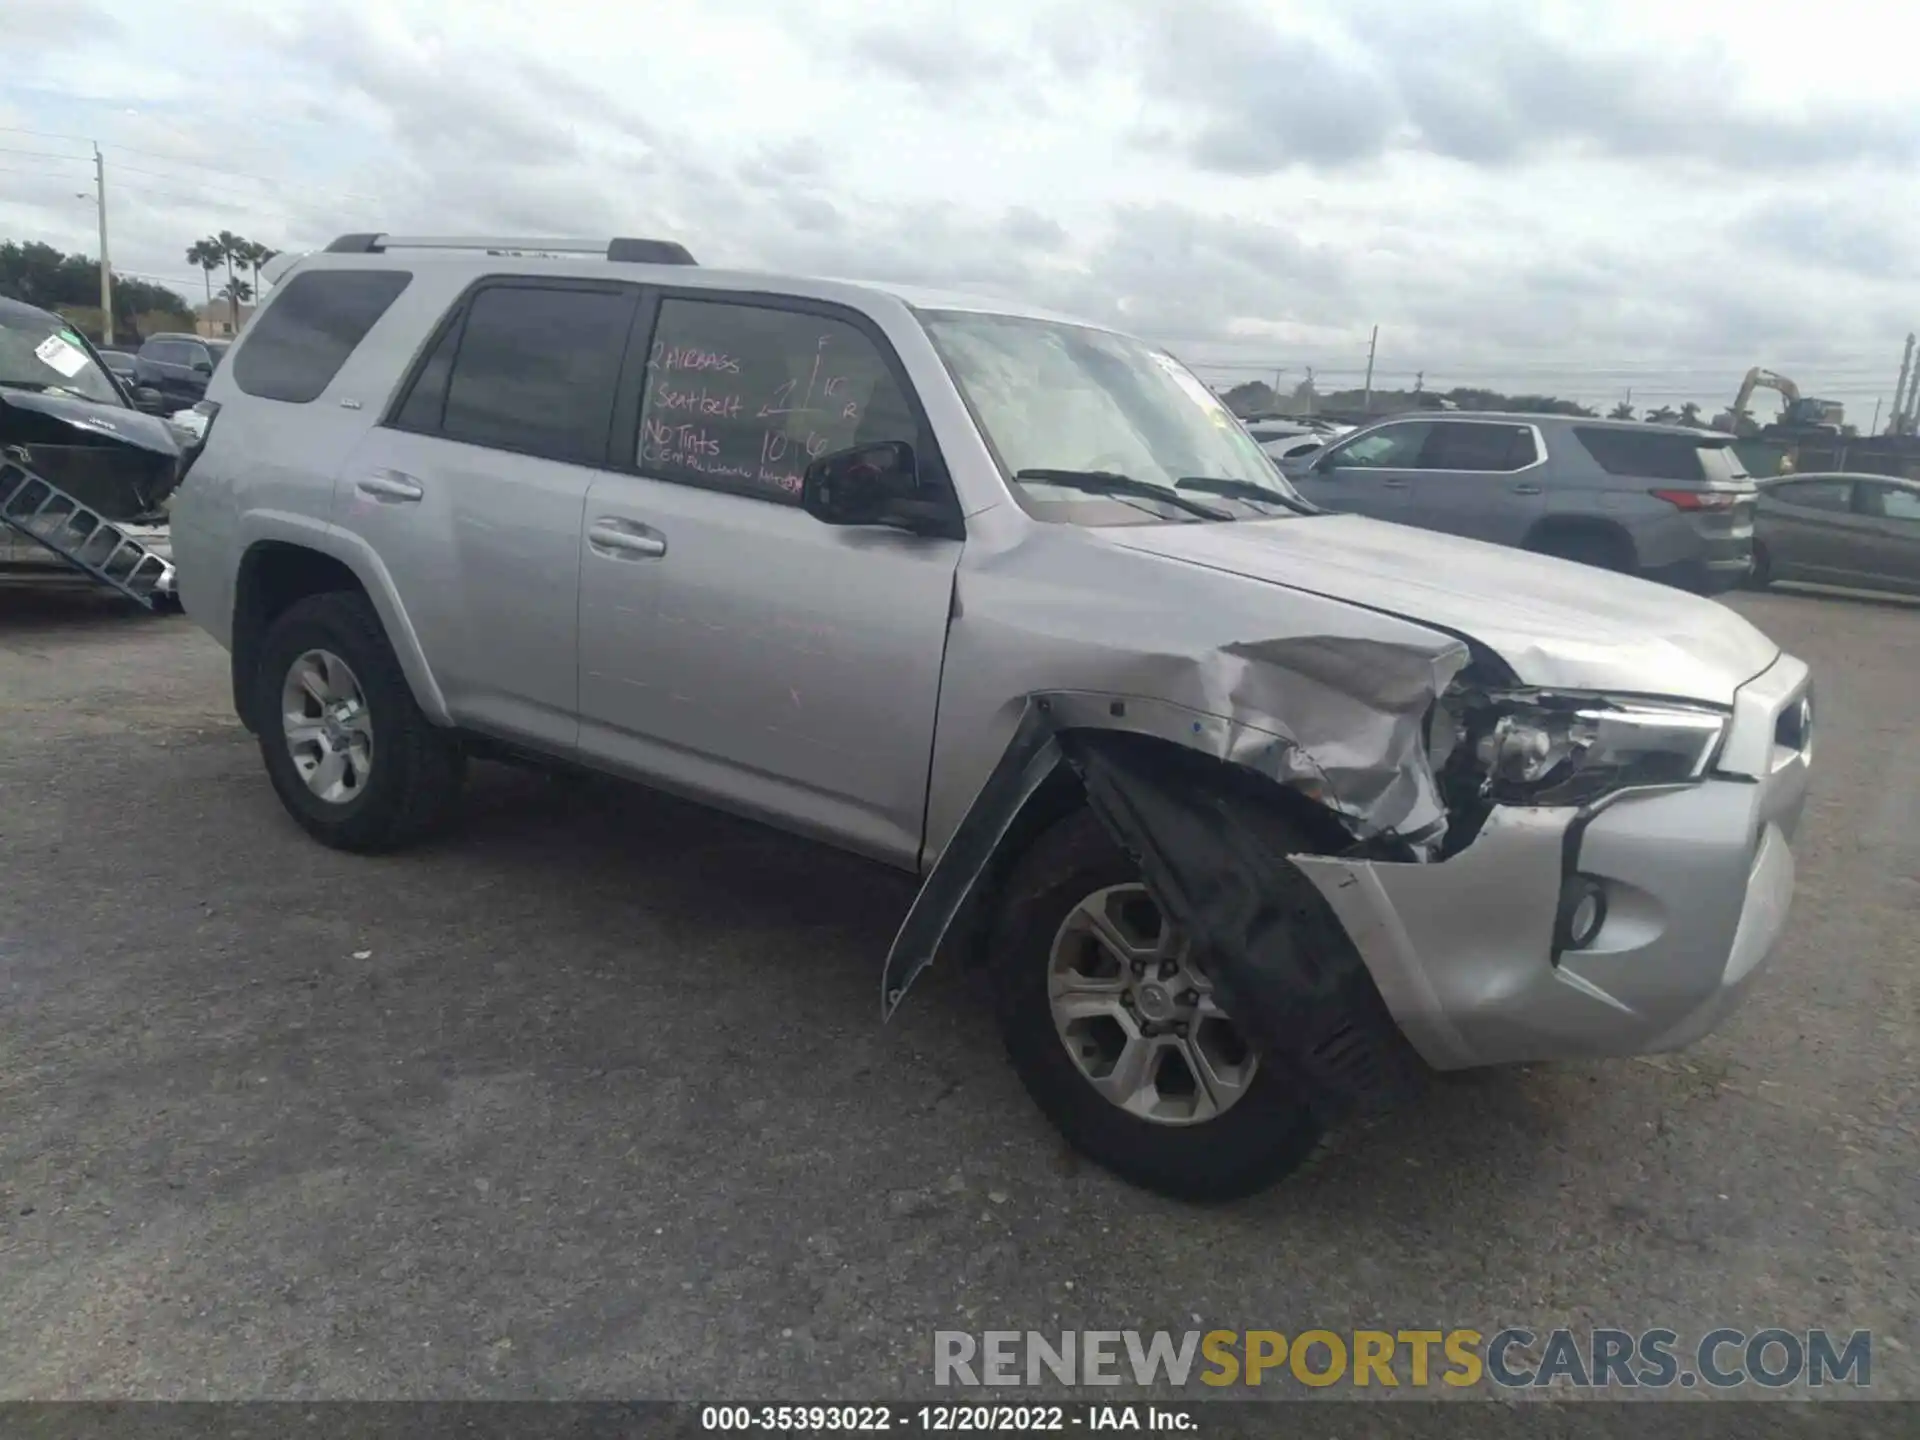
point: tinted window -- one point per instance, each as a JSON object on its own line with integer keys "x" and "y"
{"x": 1459, "y": 445}
{"x": 742, "y": 396}
{"x": 297, "y": 344}
{"x": 1816, "y": 494}
{"x": 1651, "y": 455}
{"x": 1392, "y": 447}
{"x": 1890, "y": 502}
{"x": 161, "y": 352}
{"x": 537, "y": 369}
{"x": 426, "y": 403}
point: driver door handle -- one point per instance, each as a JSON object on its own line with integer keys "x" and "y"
{"x": 390, "y": 485}
{"x": 1526, "y": 489}
{"x": 625, "y": 541}
{"x": 1393, "y": 484}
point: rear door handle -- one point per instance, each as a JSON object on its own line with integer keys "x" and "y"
{"x": 1393, "y": 484}
{"x": 390, "y": 485}
{"x": 1526, "y": 489}
{"x": 625, "y": 541}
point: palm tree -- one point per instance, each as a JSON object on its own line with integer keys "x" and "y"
{"x": 1622, "y": 411}
{"x": 235, "y": 292}
{"x": 1690, "y": 413}
{"x": 233, "y": 250}
{"x": 205, "y": 254}
{"x": 1665, "y": 415}
{"x": 258, "y": 255}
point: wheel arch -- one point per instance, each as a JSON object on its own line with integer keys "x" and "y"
{"x": 278, "y": 569}
{"x": 1550, "y": 528}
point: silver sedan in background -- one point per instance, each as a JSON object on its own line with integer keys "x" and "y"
{"x": 1836, "y": 529}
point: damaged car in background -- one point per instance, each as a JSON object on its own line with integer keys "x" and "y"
{"x": 1250, "y": 815}
{"x": 82, "y": 469}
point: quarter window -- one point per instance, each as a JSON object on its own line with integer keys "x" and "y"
{"x": 741, "y": 397}
{"x": 536, "y": 370}
{"x": 299, "y": 342}
{"x": 1890, "y": 502}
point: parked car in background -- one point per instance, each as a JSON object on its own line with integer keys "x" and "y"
{"x": 178, "y": 366}
{"x": 120, "y": 362}
{"x": 1837, "y": 529}
{"x": 1664, "y": 502}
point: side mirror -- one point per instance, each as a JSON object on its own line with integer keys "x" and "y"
{"x": 203, "y": 367}
{"x": 148, "y": 400}
{"x": 873, "y": 485}
{"x": 1325, "y": 464}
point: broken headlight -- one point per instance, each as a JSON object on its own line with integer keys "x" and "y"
{"x": 1531, "y": 749}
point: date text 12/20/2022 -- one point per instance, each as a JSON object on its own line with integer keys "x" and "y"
{"x": 944, "y": 1419}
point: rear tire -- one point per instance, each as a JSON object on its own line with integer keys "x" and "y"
{"x": 1267, "y": 1130}
{"x": 1602, "y": 549}
{"x": 392, "y": 774}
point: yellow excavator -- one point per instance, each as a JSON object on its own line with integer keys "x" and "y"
{"x": 1799, "y": 414}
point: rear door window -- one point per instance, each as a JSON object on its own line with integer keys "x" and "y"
{"x": 741, "y": 396}
{"x": 537, "y": 368}
{"x": 1816, "y": 494}
{"x": 1469, "y": 445}
{"x": 299, "y": 342}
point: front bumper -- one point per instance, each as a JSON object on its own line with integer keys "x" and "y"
{"x": 1697, "y": 882}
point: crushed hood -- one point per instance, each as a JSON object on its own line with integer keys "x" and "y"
{"x": 1557, "y": 624}
{"x": 113, "y": 459}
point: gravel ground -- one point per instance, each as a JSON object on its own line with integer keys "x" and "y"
{"x": 590, "y": 1098}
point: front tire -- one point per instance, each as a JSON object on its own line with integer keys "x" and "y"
{"x": 349, "y": 753}
{"x": 1188, "y": 1110}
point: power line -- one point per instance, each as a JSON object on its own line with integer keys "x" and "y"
{"x": 46, "y": 154}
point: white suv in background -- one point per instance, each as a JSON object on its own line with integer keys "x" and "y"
{"x": 1254, "y": 813}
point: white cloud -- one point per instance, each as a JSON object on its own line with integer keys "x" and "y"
{"x": 1529, "y": 197}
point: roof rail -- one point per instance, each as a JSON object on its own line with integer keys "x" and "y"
{"x": 620, "y": 247}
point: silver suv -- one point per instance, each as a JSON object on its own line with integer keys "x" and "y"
{"x": 1251, "y": 814}
{"x": 1669, "y": 503}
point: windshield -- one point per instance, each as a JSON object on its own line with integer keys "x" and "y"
{"x": 38, "y": 352}
{"x": 1057, "y": 397}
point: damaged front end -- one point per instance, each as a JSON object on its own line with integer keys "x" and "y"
{"x": 1212, "y": 806}
{"x": 115, "y": 461}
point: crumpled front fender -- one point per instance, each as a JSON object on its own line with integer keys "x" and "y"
{"x": 1338, "y": 721}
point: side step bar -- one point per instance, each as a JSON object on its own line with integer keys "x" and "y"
{"x": 84, "y": 538}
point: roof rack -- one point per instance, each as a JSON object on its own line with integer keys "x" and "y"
{"x": 620, "y": 247}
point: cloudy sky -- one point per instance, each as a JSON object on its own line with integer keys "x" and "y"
{"x": 1579, "y": 198}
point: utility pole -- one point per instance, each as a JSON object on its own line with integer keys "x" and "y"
{"x": 1874, "y": 428}
{"x": 1366, "y": 399}
{"x": 1897, "y": 420}
{"x": 106, "y": 269}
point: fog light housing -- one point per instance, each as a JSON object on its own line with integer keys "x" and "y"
{"x": 1583, "y": 911}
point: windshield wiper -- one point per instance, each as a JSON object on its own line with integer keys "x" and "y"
{"x": 1242, "y": 490}
{"x": 1111, "y": 482}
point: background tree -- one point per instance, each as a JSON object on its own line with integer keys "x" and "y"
{"x": 1665, "y": 415}
{"x": 1690, "y": 414}
{"x": 233, "y": 250}
{"x": 236, "y": 292}
{"x": 70, "y": 284}
{"x": 258, "y": 255}
{"x": 1622, "y": 411}
{"x": 206, "y": 254}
